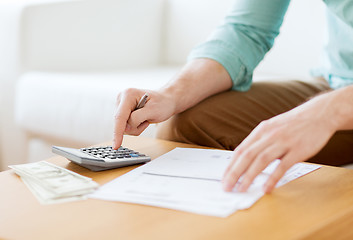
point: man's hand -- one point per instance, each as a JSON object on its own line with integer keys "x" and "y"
{"x": 159, "y": 107}
{"x": 292, "y": 137}
{"x": 198, "y": 80}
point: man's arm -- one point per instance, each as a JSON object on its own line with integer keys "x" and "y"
{"x": 199, "y": 79}
{"x": 227, "y": 59}
{"x": 293, "y": 137}
{"x": 242, "y": 41}
{"x": 340, "y": 103}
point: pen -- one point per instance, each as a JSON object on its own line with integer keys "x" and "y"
{"x": 142, "y": 101}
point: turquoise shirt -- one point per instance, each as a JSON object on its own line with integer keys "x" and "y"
{"x": 249, "y": 31}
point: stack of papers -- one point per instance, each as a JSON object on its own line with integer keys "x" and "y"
{"x": 53, "y": 184}
{"x": 190, "y": 180}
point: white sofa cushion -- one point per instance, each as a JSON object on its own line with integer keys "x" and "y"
{"x": 78, "y": 106}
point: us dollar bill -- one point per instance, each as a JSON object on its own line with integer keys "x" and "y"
{"x": 47, "y": 197}
{"x": 55, "y": 180}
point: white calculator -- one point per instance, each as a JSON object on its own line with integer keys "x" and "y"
{"x": 101, "y": 158}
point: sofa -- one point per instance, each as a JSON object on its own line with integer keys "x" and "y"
{"x": 63, "y": 62}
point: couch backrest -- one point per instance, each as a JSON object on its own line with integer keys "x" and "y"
{"x": 92, "y": 35}
{"x": 103, "y": 35}
{"x": 189, "y": 22}
{"x": 296, "y": 50}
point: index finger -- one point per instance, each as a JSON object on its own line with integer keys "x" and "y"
{"x": 121, "y": 117}
{"x": 254, "y": 136}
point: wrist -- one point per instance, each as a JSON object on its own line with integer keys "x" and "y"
{"x": 174, "y": 94}
{"x": 198, "y": 80}
{"x": 335, "y": 108}
{"x": 342, "y": 108}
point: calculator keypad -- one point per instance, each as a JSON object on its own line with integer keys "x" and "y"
{"x": 111, "y": 154}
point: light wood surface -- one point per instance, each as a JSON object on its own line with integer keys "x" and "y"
{"x": 316, "y": 206}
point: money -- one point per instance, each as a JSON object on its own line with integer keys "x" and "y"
{"x": 54, "y": 184}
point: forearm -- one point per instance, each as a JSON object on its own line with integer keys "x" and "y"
{"x": 198, "y": 80}
{"x": 340, "y": 104}
{"x": 334, "y": 109}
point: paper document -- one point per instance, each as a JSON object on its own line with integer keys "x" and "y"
{"x": 190, "y": 180}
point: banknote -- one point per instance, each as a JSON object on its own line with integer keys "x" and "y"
{"x": 53, "y": 184}
{"x": 47, "y": 197}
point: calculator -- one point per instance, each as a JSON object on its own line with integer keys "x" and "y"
{"x": 101, "y": 158}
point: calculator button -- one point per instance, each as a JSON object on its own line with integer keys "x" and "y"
{"x": 108, "y": 154}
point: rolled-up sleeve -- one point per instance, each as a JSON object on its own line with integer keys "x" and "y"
{"x": 241, "y": 42}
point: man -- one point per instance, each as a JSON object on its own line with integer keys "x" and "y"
{"x": 214, "y": 103}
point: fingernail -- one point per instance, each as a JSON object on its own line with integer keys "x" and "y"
{"x": 128, "y": 127}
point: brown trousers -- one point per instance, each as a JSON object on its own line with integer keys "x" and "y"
{"x": 224, "y": 120}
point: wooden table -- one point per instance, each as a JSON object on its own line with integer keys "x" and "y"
{"x": 316, "y": 206}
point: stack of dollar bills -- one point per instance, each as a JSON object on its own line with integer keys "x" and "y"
{"x": 54, "y": 184}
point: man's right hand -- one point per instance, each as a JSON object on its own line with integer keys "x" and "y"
{"x": 159, "y": 107}
{"x": 198, "y": 80}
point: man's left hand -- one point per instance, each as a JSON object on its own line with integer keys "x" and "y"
{"x": 292, "y": 137}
